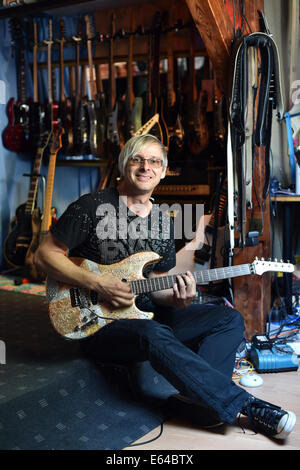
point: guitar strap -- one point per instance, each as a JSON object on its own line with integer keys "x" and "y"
{"x": 243, "y": 114}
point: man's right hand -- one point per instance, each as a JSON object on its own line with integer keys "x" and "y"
{"x": 113, "y": 290}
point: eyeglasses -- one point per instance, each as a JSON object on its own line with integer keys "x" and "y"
{"x": 152, "y": 162}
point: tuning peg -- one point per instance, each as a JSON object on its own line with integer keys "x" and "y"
{"x": 263, "y": 259}
{"x": 275, "y": 260}
{"x": 178, "y": 25}
{"x": 121, "y": 33}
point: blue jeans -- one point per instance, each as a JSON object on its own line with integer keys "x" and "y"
{"x": 194, "y": 349}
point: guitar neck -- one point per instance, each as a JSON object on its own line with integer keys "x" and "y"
{"x": 150, "y": 71}
{"x": 22, "y": 76}
{"x": 130, "y": 93}
{"x": 47, "y": 218}
{"x": 111, "y": 69}
{"x": 156, "y": 65}
{"x": 143, "y": 286}
{"x": 49, "y": 62}
{"x": 192, "y": 95}
{"x": 62, "y": 78}
{"x": 92, "y": 81}
{"x": 35, "y": 68}
{"x": 34, "y": 182}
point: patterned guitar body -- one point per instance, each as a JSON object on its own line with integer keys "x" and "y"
{"x": 77, "y": 313}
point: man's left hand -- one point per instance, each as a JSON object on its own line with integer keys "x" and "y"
{"x": 184, "y": 290}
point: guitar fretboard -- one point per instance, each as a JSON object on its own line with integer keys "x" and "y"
{"x": 143, "y": 286}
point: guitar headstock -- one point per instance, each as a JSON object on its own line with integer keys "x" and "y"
{"x": 157, "y": 22}
{"x": 260, "y": 266}
{"x": 50, "y": 32}
{"x": 16, "y": 29}
{"x": 113, "y": 26}
{"x": 90, "y": 33}
{"x": 62, "y": 30}
{"x": 35, "y": 34}
{"x": 44, "y": 140}
{"x": 56, "y": 140}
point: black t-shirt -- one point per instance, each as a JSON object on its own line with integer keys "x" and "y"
{"x": 101, "y": 228}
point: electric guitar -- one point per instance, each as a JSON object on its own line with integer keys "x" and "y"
{"x": 96, "y": 120}
{"x": 133, "y": 105}
{"x": 38, "y": 124}
{"x": 156, "y": 85}
{"x": 173, "y": 102}
{"x": 80, "y": 116}
{"x": 197, "y": 134}
{"x": 42, "y": 226}
{"x": 65, "y": 104}
{"x": 77, "y": 312}
{"x": 113, "y": 137}
{"x": 20, "y": 237}
{"x": 52, "y": 107}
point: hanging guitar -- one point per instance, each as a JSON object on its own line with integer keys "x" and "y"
{"x": 18, "y": 240}
{"x": 38, "y": 123}
{"x": 133, "y": 104}
{"x": 173, "y": 102}
{"x": 52, "y": 106}
{"x": 65, "y": 104}
{"x": 42, "y": 226}
{"x": 197, "y": 136}
{"x": 96, "y": 115}
{"x": 156, "y": 84}
{"x": 77, "y": 312}
{"x": 113, "y": 137}
{"x": 16, "y": 134}
{"x": 200, "y": 135}
{"x": 80, "y": 116}
{"x": 149, "y": 104}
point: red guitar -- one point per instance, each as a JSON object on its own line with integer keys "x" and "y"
{"x": 16, "y": 134}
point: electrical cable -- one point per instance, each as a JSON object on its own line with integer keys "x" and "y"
{"x": 150, "y": 440}
{"x": 238, "y": 372}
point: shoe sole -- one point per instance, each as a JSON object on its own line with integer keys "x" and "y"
{"x": 286, "y": 425}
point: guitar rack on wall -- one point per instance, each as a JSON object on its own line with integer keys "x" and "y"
{"x": 122, "y": 67}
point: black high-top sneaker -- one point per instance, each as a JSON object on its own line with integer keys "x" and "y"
{"x": 269, "y": 419}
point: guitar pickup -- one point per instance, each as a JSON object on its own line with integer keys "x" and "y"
{"x": 78, "y": 300}
{"x": 75, "y": 297}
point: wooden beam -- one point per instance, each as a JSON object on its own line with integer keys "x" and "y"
{"x": 216, "y": 30}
